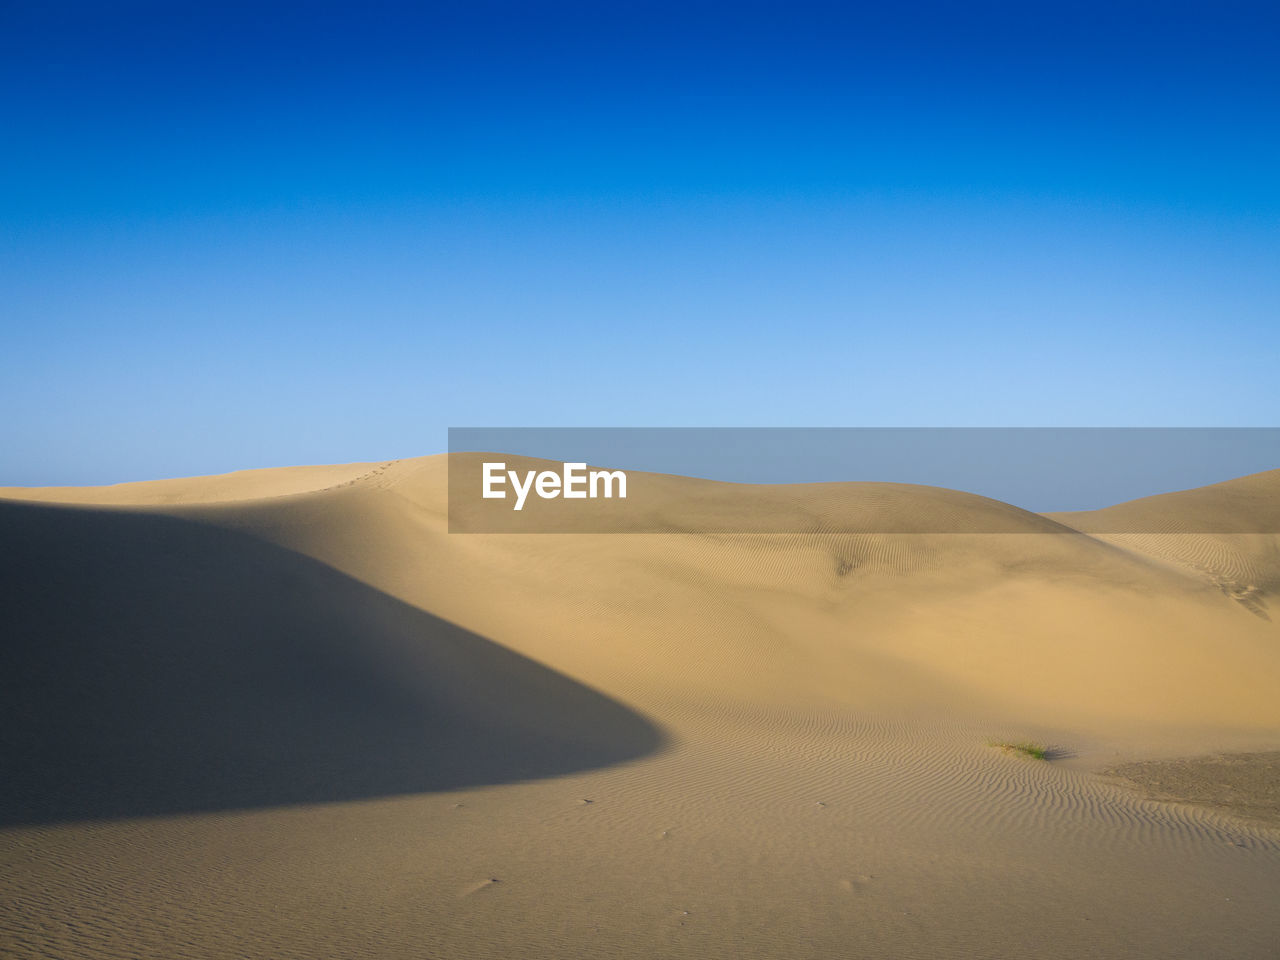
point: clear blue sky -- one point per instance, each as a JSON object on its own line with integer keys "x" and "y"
{"x": 237, "y": 235}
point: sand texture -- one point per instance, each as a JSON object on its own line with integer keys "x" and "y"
{"x": 285, "y": 713}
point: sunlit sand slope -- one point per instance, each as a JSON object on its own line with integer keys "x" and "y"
{"x": 1211, "y": 532}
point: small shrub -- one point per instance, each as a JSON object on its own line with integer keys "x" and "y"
{"x": 1037, "y": 751}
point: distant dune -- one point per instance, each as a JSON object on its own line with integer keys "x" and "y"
{"x": 286, "y": 713}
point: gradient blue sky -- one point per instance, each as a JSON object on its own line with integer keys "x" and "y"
{"x": 237, "y": 235}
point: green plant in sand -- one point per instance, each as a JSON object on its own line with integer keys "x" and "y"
{"x": 1037, "y": 751}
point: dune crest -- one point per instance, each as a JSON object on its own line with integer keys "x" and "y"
{"x": 241, "y": 485}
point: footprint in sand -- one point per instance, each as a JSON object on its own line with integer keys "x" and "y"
{"x": 477, "y": 887}
{"x": 853, "y": 884}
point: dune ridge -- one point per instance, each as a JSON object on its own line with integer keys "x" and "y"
{"x": 675, "y": 744}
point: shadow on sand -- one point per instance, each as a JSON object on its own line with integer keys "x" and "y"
{"x": 154, "y": 665}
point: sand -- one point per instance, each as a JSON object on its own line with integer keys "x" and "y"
{"x": 285, "y": 713}
{"x": 1246, "y": 785}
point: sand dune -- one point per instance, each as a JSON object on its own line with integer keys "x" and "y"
{"x": 1233, "y": 556}
{"x": 370, "y": 737}
{"x": 228, "y": 487}
{"x": 161, "y": 666}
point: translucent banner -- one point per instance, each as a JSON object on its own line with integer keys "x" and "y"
{"x": 721, "y": 480}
